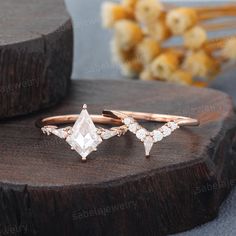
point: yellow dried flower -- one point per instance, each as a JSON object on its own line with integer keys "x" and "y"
{"x": 146, "y": 75}
{"x": 165, "y": 65}
{"x": 119, "y": 55}
{"x": 148, "y": 11}
{"x": 181, "y": 19}
{"x": 182, "y": 77}
{"x": 131, "y": 4}
{"x": 159, "y": 30}
{"x": 200, "y": 84}
{"x": 128, "y": 34}
{"x": 147, "y": 50}
{"x": 132, "y": 68}
{"x": 200, "y": 64}
{"x": 229, "y": 49}
{"x": 112, "y": 12}
{"x": 195, "y": 38}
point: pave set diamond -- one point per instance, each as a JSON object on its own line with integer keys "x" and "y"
{"x": 149, "y": 138}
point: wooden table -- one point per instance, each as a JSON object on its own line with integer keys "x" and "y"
{"x": 46, "y": 187}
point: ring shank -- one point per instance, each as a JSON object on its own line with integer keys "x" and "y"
{"x": 112, "y": 117}
{"x": 180, "y": 120}
{"x": 68, "y": 119}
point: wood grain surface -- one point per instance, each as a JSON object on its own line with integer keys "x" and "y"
{"x": 46, "y": 187}
{"x": 36, "y": 43}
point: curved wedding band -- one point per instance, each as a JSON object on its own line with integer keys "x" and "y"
{"x": 83, "y": 137}
{"x": 181, "y": 120}
{"x": 130, "y": 118}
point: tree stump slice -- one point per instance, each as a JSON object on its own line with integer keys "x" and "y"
{"x": 47, "y": 190}
{"x": 36, "y": 43}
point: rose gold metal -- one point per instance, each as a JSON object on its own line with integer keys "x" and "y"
{"x": 67, "y": 119}
{"x": 180, "y": 120}
{"x": 112, "y": 117}
{"x": 116, "y": 117}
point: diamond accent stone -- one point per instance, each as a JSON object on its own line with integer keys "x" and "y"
{"x": 61, "y": 133}
{"x": 166, "y": 131}
{"x": 148, "y": 143}
{"x": 173, "y": 126}
{"x": 84, "y": 138}
{"x": 141, "y": 134}
{"x": 48, "y": 129}
{"x": 157, "y": 136}
{"x": 133, "y": 127}
{"x": 128, "y": 120}
{"x": 107, "y": 134}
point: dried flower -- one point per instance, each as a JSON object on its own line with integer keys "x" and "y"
{"x": 132, "y": 68}
{"x": 181, "y": 19}
{"x": 112, "y": 12}
{"x": 142, "y": 27}
{"x": 147, "y": 75}
{"x": 165, "y": 65}
{"x": 147, "y": 50}
{"x": 229, "y": 49}
{"x": 119, "y": 55}
{"x": 182, "y": 77}
{"x": 131, "y": 4}
{"x": 200, "y": 84}
{"x": 201, "y": 64}
{"x": 195, "y": 38}
{"x": 128, "y": 34}
{"x": 148, "y": 11}
{"x": 159, "y": 30}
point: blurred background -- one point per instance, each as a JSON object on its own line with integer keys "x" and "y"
{"x": 92, "y": 58}
{"x": 92, "y": 45}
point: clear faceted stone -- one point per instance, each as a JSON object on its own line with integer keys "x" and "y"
{"x": 84, "y": 138}
{"x": 166, "y": 131}
{"x": 173, "y": 126}
{"x": 106, "y": 134}
{"x": 128, "y": 120}
{"x": 61, "y": 133}
{"x": 148, "y": 143}
{"x": 141, "y": 134}
{"x": 133, "y": 127}
{"x": 48, "y": 129}
{"x": 157, "y": 136}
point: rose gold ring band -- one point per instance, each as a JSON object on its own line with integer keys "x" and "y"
{"x": 111, "y": 117}
{"x": 180, "y": 120}
{"x": 68, "y": 119}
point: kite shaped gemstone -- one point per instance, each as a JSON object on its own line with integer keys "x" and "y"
{"x": 84, "y": 138}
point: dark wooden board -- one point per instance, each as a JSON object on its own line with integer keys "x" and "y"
{"x": 36, "y": 44}
{"x": 47, "y": 189}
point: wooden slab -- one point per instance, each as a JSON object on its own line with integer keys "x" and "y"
{"x": 46, "y": 187}
{"x": 36, "y": 44}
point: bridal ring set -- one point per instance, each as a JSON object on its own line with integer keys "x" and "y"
{"x": 84, "y": 137}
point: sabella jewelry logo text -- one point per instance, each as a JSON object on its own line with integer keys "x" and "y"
{"x": 11, "y": 88}
{"x": 13, "y": 229}
{"x": 103, "y": 211}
